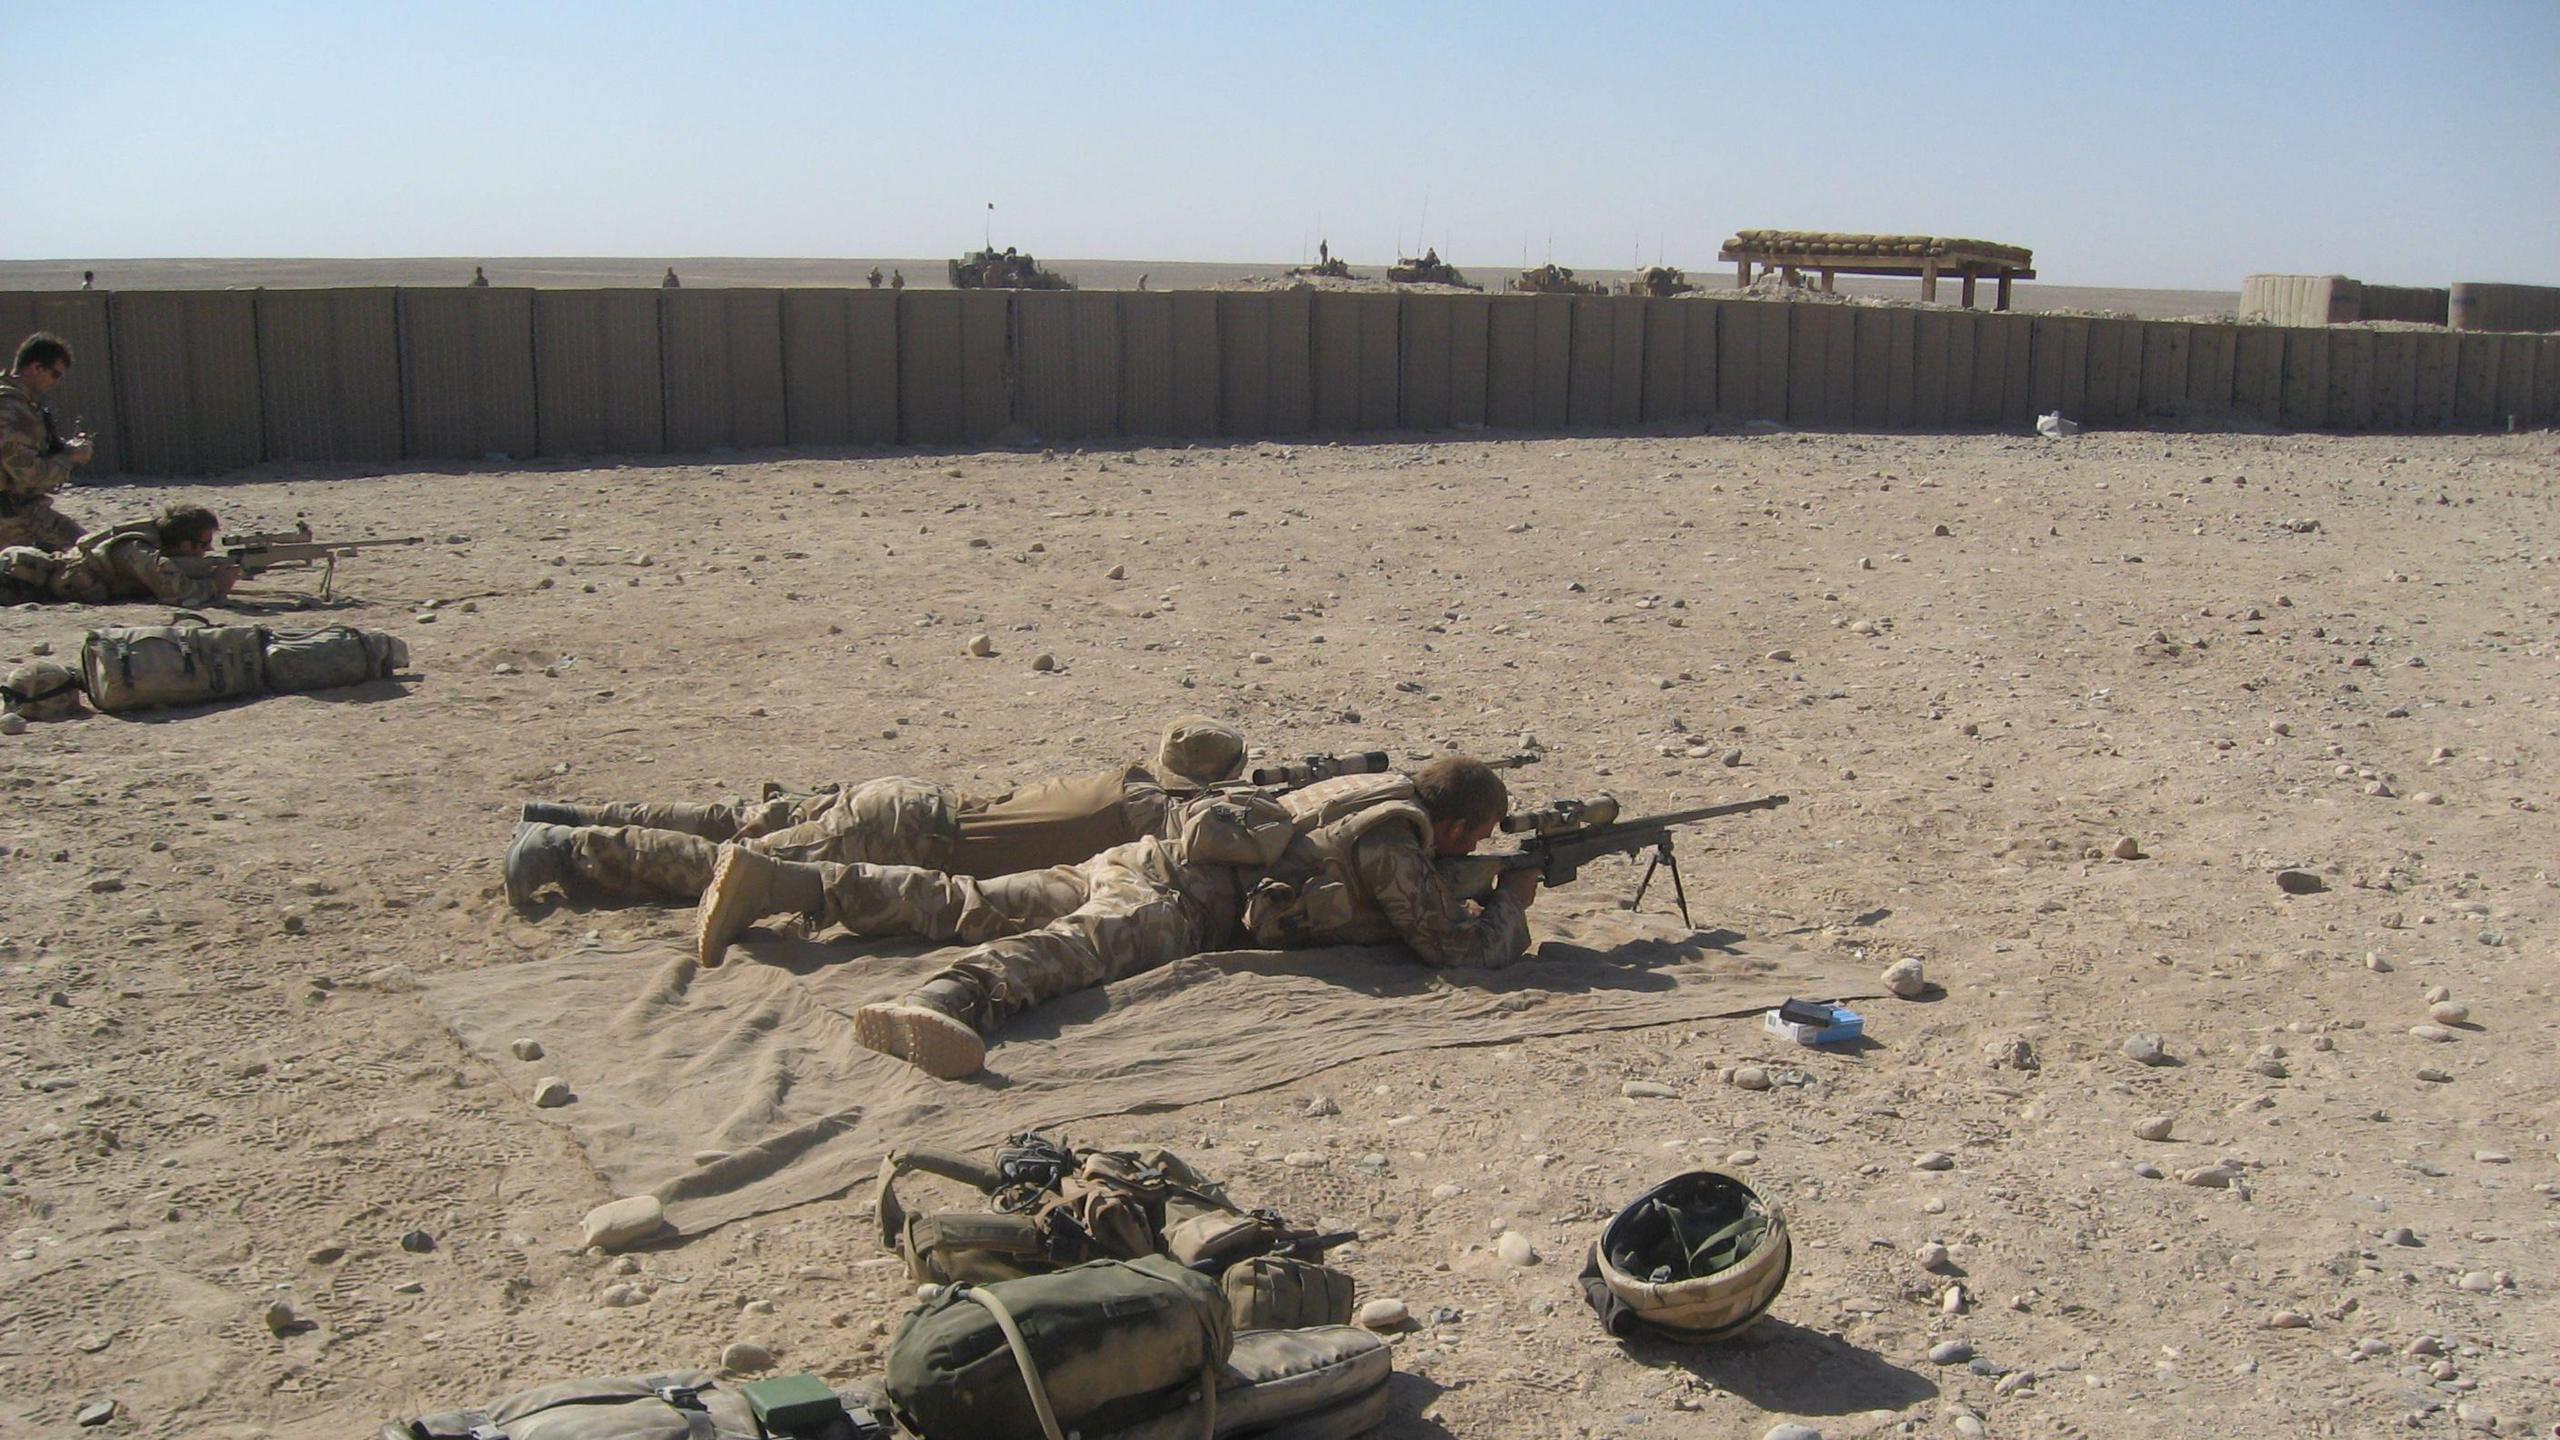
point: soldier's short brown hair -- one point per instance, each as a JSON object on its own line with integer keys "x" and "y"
{"x": 183, "y": 524}
{"x": 1461, "y": 787}
{"x": 42, "y": 348}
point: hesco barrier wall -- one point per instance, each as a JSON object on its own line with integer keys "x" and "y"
{"x": 187, "y": 383}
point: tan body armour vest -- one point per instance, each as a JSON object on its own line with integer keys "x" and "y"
{"x": 1313, "y": 894}
{"x": 1057, "y": 822}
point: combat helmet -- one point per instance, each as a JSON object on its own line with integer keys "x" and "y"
{"x": 1698, "y": 1257}
{"x": 42, "y": 690}
{"x": 1201, "y": 750}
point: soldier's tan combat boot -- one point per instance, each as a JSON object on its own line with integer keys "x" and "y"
{"x": 538, "y": 856}
{"x": 746, "y": 886}
{"x": 934, "y": 1028}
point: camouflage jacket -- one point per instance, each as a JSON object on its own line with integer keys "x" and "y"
{"x": 31, "y": 458}
{"x": 1427, "y": 915}
{"x": 126, "y": 564}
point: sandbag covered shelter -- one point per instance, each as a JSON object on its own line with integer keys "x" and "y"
{"x": 1830, "y": 253}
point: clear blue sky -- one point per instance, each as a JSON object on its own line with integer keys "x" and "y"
{"x": 2158, "y": 144}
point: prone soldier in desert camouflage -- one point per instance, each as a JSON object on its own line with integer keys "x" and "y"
{"x": 166, "y": 558}
{"x": 1346, "y": 861}
{"x": 994, "y": 862}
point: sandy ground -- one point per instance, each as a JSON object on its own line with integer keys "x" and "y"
{"x": 931, "y": 274}
{"x": 2245, "y": 653}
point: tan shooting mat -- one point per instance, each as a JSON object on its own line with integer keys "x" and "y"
{"x": 756, "y": 1061}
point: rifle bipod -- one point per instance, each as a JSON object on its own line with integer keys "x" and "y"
{"x": 1663, "y": 859}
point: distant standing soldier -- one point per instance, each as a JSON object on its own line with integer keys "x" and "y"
{"x": 1142, "y": 281}
{"x": 874, "y": 277}
{"x": 148, "y": 561}
{"x": 35, "y": 460}
{"x": 479, "y": 278}
{"x": 897, "y": 280}
{"x": 671, "y": 282}
{"x": 88, "y": 279}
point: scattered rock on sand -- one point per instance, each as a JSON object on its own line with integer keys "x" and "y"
{"x": 1792, "y": 1431}
{"x": 1950, "y": 1352}
{"x": 1322, "y": 1106}
{"x": 551, "y": 1092}
{"x": 2126, "y": 848}
{"x": 2154, "y": 1127}
{"x": 1515, "y": 1249}
{"x": 618, "y": 1223}
{"x": 2209, "y": 1177}
{"x": 527, "y": 1050}
{"x": 13, "y": 724}
{"x": 2448, "y": 1012}
{"x": 2288, "y": 1320}
{"x": 1044, "y": 662}
{"x": 2300, "y": 882}
{"x": 742, "y": 1357}
{"x": 982, "y": 645}
{"x": 1906, "y": 978}
{"x": 1933, "y": 1256}
{"x": 1934, "y": 1160}
{"x": 1647, "y": 1090}
{"x": 1383, "y": 1315}
{"x": 1750, "y": 1077}
{"x": 282, "y": 1320}
{"x": 2145, "y": 1047}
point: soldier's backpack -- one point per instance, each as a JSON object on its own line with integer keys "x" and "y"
{"x": 1093, "y": 1348}
{"x": 139, "y": 667}
{"x": 1328, "y": 1383}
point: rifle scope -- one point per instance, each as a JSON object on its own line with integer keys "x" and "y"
{"x": 1558, "y": 816}
{"x": 1321, "y": 767}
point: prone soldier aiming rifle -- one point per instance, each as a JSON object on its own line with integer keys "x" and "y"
{"x": 1566, "y": 835}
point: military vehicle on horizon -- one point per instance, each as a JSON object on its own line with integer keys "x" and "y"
{"x": 1660, "y": 281}
{"x": 1554, "y": 279}
{"x": 990, "y": 269}
{"x": 1430, "y": 269}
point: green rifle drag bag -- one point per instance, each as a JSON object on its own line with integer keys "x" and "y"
{"x": 329, "y": 657}
{"x": 192, "y": 662}
{"x": 1094, "y": 1349}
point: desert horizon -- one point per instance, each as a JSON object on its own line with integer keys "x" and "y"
{"x": 929, "y": 273}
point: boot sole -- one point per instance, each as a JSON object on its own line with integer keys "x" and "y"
{"x": 717, "y": 924}
{"x": 940, "y": 1046}
{"x": 527, "y": 868}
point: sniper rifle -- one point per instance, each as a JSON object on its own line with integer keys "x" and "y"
{"x": 255, "y": 554}
{"x": 1566, "y": 835}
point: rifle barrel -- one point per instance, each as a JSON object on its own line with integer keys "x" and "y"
{"x": 1676, "y": 817}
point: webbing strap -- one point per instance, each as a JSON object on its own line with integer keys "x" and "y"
{"x": 1031, "y": 1381}
{"x": 1038, "y": 1389}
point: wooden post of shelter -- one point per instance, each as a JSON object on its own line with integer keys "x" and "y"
{"x": 1926, "y": 257}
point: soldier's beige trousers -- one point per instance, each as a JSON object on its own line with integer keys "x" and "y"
{"x": 37, "y": 523}
{"x": 957, "y": 909}
{"x": 666, "y": 851}
{"x": 1142, "y": 908}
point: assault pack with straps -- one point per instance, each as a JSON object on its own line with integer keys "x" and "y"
{"x": 192, "y": 661}
{"x": 1325, "y": 1383}
{"x": 677, "y": 1405}
{"x": 1050, "y": 1206}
